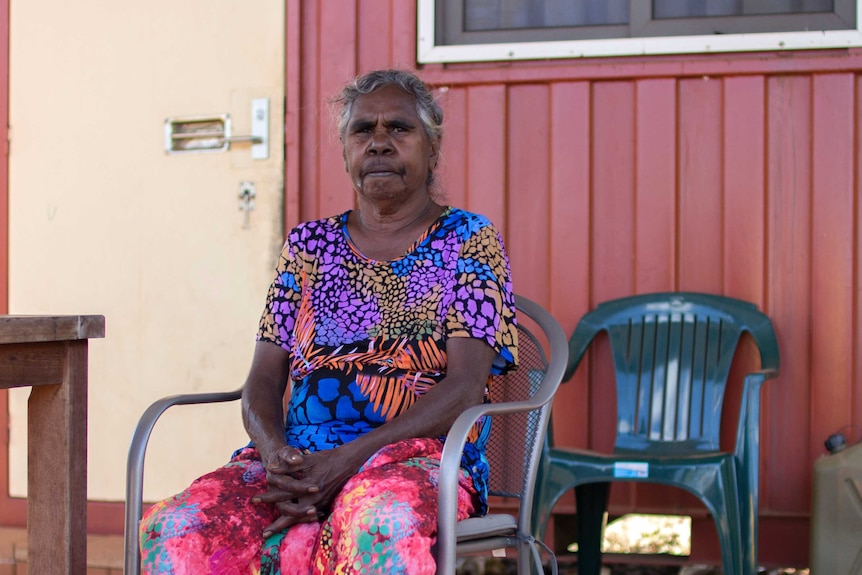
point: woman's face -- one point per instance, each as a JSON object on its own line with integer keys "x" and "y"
{"x": 386, "y": 150}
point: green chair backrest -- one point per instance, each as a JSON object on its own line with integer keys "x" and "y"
{"x": 672, "y": 354}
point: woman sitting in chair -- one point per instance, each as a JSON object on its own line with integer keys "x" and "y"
{"x": 387, "y": 321}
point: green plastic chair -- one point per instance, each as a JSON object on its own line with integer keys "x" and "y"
{"x": 672, "y": 353}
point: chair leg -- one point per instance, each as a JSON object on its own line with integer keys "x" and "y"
{"x": 730, "y": 545}
{"x": 591, "y": 500}
{"x": 542, "y": 507}
{"x": 723, "y": 503}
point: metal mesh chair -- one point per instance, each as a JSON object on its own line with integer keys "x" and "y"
{"x": 520, "y": 409}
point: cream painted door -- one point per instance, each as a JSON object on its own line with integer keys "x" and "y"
{"x": 104, "y": 221}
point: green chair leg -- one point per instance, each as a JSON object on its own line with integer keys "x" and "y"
{"x": 592, "y": 504}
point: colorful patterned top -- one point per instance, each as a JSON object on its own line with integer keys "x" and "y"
{"x": 368, "y": 338}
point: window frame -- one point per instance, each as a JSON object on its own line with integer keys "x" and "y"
{"x": 428, "y": 52}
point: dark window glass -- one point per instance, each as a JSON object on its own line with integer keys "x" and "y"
{"x": 465, "y": 22}
{"x": 509, "y": 15}
{"x": 691, "y": 9}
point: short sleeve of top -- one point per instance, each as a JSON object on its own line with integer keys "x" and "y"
{"x": 367, "y": 338}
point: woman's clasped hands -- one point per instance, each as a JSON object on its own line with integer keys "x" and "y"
{"x": 302, "y": 486}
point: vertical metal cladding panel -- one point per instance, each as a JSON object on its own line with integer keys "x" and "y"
{"x": 308, "y": 109}
{"x": 570, "y": 232}
{"x": 701, "y": 213}
{"x": 832, "y": 228}
{"x": 744, "y": 206}
{"x": 375, "y": 33}
{"x": 451, "y": 177}
{"x": 744, "y": 193}
{"x": 613, "y": 190}
{"x": 292, "y": 113}
{"x": 487, "y": 189}
{"x": 655, "y": 184}
{"x": 856, "y": 416}
{"x": 527, "y": 201}
{"x": 785, "y": 437}
{"x": 339, "y": 47}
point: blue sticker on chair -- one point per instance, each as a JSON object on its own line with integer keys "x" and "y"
{"x": 631, "y": 469}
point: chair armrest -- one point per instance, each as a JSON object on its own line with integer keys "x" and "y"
{"x": 135, "y": 464}
{"x": 450, "y": 464}
{"x": 748, "y": 425}
{"x": 580, "y": 341}
{"x": 747, "y": 450}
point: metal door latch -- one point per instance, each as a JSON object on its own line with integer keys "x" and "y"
{"x": 247, "y": 194}
{"x": 215, "y": 133}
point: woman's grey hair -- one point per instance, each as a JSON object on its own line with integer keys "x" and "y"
{"x": 427, "y": 108}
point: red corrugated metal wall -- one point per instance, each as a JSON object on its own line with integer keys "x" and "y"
{"x": 730, "y": 174}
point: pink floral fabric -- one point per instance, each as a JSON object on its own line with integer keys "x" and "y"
{"x": 383, "y": 521}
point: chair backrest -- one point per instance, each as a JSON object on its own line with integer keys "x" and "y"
{"x": 672, "y": 354}
{"x": 514, "y": 447}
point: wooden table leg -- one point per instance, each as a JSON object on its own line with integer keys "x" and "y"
{"x": 57, "y": 470}
{"x": 49, "y": 355}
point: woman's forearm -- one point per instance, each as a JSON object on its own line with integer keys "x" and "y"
{"x": 263, "y": 396}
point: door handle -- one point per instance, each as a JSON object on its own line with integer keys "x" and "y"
{"x": 238, "y": 139}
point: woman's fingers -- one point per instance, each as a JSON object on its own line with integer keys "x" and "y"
{"x": 279, "y": 524}
{"x": 290, "y": 492}
{"x": 290, "y": 484}
{"x": 284, "y": 461}
{"x": 291, "y": 514}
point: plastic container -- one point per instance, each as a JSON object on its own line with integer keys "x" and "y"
{"x": 836, "y": 511}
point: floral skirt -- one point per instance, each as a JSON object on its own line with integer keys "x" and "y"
{"x": 383, "y": 521}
